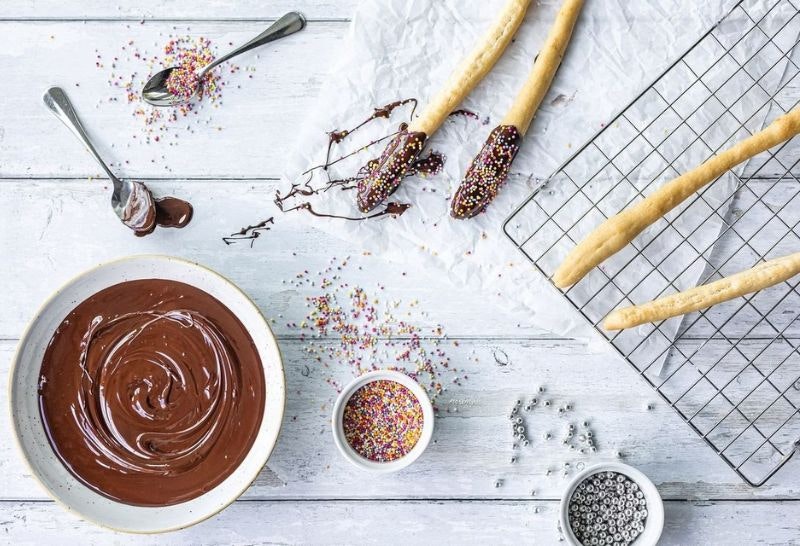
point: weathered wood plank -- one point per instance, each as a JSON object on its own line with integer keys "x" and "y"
{"x": 473, "y": 443}
{"x": 66, "y": 226}
{"x": 69, "y": 223}
{"x": 406, "y": 522}
{"x": 256, "y": 124}
{"x": 178, "y": 11}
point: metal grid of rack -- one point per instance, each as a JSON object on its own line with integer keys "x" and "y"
{"x": 732, "y": 372}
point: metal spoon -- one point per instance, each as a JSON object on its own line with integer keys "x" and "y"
{"x": 156, "y": 92}
{"x": 131, "y": 201}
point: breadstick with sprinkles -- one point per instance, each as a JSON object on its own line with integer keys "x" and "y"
{"x": 762, "y": 276}
{"x": 612, "y": 235}
{"x": 386, "y": 173}
{"x": 489, "y": 169}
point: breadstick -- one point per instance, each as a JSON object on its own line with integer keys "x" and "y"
{"x": 387, "y": 172}
{"x": 616, "y": 232}
{"x": 489, "y": 169}
{"x": 762, "y": 276}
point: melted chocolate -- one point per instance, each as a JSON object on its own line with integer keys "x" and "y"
{"x": 151, "y": 392}
{"x": 173, "y": 212}
{"x": 387, "y": 172}
{"x": 164, "y": 212}
{"x": 487, "y": 172}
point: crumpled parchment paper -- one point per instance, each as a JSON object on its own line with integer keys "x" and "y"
{"x": 400, "y": 49}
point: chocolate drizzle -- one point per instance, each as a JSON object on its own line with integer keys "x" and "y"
{"x": 428, "y": 164}
{"x": 151, "y": 392}
{"x": 249, "y": 233}
{"x": 487, "y": 172}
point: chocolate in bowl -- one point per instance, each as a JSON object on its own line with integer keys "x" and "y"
{"x": 151, "y": 392}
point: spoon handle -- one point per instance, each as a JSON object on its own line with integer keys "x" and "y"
{"x": 57, "y": 102}
{"x": 288, "y": 24}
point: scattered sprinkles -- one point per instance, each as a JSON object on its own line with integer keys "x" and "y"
{"x": 382, "y": 421}
{"x": 133, "y": 66}
{"x": 370, "y": 332}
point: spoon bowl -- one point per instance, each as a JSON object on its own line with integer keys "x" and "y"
{"x": 132, "y": 201}
{"x": 157, "y": 92}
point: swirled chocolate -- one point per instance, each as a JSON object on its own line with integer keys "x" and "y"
{"x": 487, "y": 173}
{"x": 151, "y": 392}
{"x": 387, "y": 172}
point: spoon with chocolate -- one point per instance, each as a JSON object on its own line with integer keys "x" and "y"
{"x": 490, "y": 168}
{"x": 131, "y": 201}
{"x": 178, "y": 85}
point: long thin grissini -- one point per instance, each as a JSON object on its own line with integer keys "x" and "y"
{"x": 759, "y": 277}
{"x": 616, "y": 232}
{"x": 387, "y": 171}
{"x": 490, "y": 168}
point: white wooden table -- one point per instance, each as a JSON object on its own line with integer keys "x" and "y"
{"x": 54, "y": 223}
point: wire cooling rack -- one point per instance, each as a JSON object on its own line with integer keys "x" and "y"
{"x": 732, "y": 372}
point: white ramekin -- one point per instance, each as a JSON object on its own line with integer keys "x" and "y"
{"x": 338, "y": 430}
{"x": 654, "y": 523}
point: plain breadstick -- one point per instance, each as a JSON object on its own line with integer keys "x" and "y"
{"x": 544, "y": 68}
{"x": 472, "y": 69}
{"x": 386, "y": 173}
{"x": 761, "y": 276}
{"x": 616, "y": 232}
{"x": 489, "y": 170}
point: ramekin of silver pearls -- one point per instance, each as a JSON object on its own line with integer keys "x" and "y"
{"x": 611, "y": 504}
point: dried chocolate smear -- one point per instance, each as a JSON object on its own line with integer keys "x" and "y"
{"x": 169, "y": 212}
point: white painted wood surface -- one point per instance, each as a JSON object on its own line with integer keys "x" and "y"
{"x": 54, "y": 223}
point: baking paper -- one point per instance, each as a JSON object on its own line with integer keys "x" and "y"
{"x": 398, "y": 49}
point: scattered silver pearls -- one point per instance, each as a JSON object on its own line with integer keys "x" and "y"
{"x": 604, "y": 509}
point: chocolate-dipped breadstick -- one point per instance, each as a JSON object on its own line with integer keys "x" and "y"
{"x": 387, "y": 171}
{"x": 490, "y": 167}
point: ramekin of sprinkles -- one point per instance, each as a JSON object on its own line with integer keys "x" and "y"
{"x": 382, "y": 421}
{"x": 611, "y": 503}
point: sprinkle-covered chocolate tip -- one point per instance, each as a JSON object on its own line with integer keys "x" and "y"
{"x": 386, "y": 173}
{"x": 487, "y": 173}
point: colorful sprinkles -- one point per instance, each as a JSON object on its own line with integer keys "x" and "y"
{"x": 387, "y": 172}
{"x": 382, "y": 421}
{"x": 133, "y": 65}
{"x": 369, "y": 332}
{"x": 487, "y": 173}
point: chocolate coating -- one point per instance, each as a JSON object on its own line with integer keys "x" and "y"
{"x": 151, "y": 392}
{"x": 168, "y": 212}
{"x": 487, "y": 172}
{"x": 386, "y": 172}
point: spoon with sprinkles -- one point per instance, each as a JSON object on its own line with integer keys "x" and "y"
{"x": 179, "y": 84}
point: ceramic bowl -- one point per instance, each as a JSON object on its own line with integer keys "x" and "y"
{"x": 375, "y": 466}
{"x": 27, "y": 422}
{"x": 654, "y": 523}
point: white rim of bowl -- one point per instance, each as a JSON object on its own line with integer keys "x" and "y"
{"x": 427, "y": 424}
{"x": 18, "y": 351}
{"x": 655, "y": 505}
